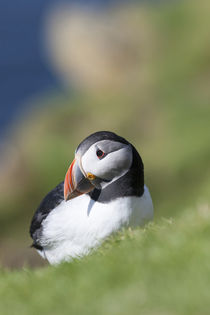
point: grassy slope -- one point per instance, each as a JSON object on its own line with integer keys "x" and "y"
{"x": 163, "y": 269}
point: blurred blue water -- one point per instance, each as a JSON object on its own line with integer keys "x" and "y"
{"x": 24, "y": 71}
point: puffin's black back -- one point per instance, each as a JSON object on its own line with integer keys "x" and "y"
{"x": 50, "y": 201}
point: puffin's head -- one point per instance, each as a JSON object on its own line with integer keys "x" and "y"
{"x": 100, "y": 159}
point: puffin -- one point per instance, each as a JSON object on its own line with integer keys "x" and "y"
{"x": 103, "y": 191}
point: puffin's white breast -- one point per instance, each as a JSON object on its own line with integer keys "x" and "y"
{"x": 75, "y": 227}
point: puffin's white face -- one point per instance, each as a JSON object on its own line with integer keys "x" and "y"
{"x": 102, "y": 163}
{"x": 107, "y": 160}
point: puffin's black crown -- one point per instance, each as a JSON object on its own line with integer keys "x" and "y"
{"x": 99, "y": 136}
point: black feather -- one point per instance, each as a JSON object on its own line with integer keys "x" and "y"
{"x": 98, "y": 136}
{"x": 51, "y": 201}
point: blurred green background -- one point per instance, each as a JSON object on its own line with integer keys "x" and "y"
{"x": 142, "y": 71}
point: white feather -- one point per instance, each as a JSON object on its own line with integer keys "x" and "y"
{"x": 75, "y": 227}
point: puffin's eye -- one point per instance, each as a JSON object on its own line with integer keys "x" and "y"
{"x": 100, "y": 154}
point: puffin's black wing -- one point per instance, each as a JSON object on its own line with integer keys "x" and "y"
{"x": 51, "y": 201}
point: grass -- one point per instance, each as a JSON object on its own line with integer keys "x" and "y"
{"x": 162, "y": 269}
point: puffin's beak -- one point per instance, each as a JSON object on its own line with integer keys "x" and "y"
{"x": 76, "y": 183}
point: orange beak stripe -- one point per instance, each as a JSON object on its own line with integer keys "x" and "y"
{"x": 76, "y": 183}
{"x": 68, "y": 183}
